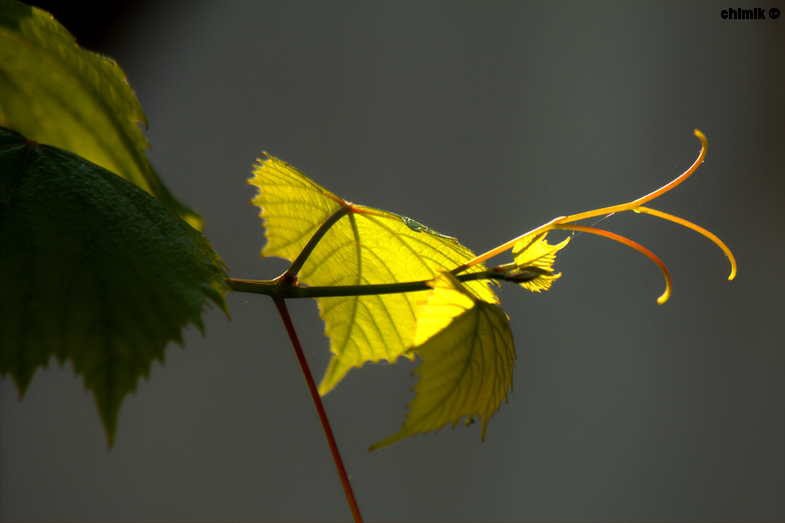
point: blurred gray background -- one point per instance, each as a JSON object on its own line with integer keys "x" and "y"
{"x": 481, "y": 120}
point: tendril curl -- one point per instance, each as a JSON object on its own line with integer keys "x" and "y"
{"x": 567, "y": 223}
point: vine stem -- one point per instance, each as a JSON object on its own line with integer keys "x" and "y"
{"x": 635, "y": 205}
{"x": 280, "y": 304}
{"x": 289, "y": 291}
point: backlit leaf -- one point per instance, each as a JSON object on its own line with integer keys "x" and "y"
{"x": 467, "y": 359}
{"x": 56, "y": 93}
{"x": 366, "y": 246}
{"x": 533, "y": 250}
{"x": 94, "y": 271}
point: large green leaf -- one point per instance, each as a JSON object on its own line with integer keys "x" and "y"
{"x": 366, "y": 246}
{"x": 93, "y": 270}
{"x": 56, "y": 93}
{"x": 467, "y": 359}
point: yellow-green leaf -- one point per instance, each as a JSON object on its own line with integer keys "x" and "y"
{"x": 366, "y": 246}
{"x": 56, "y": 93}
{"x": 533, "y": 250}
{"x": 467, "y": 359}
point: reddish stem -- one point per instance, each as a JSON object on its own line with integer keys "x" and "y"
{"x": 280, "y": 303}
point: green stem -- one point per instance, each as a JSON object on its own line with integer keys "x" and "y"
{"x": 273, "y": 288}
{"x": 328, "y": 433}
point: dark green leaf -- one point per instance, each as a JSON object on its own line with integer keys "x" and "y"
{"x": 54, "y": 92}
{"x": 93, "y": 270}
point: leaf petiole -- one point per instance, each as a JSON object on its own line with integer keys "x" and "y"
{"x": 291, "y": 273}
